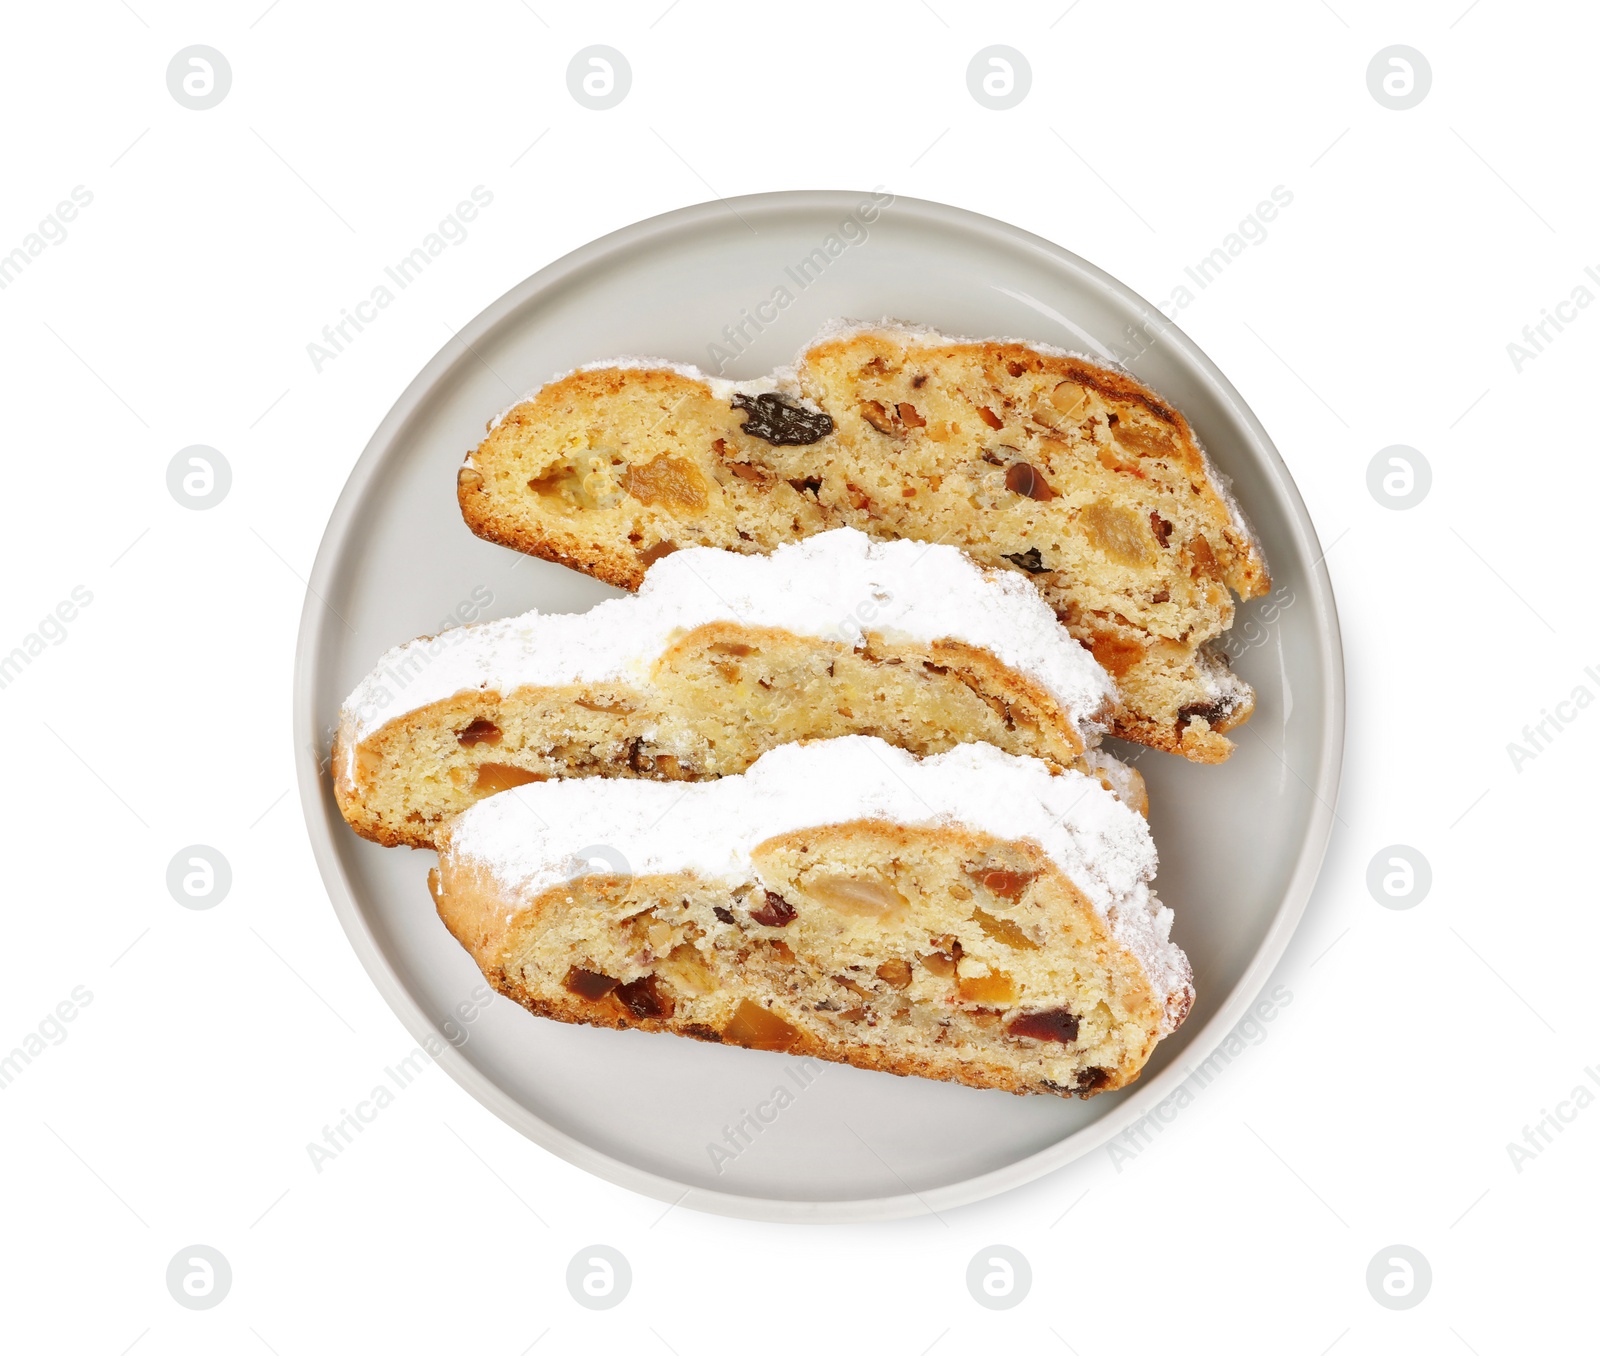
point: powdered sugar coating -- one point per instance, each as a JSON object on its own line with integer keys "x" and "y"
{"x": 530, "y": 838}
{"x": 836, "y": 585}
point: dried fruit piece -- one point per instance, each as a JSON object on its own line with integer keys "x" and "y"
{"x": 994, "y": 986}
{"x": 1004, "y": 930}
{"x": 997, "y": 880}
{"x": 1210, "y": 712}
{"x": 776, "y": 419}
{"x": 667, "y": 481}
{"x": 1029, "y": 560}
{"x": 563, "y": 481}
{"x": 807, "y": 485}
{"x": 756, "y": 1028}
{"x": 861, "y": 896}
{"x": 937, "y": 963}
{"x": 1160, "y": 526}
{"x": 859, "y": 498}
{"x": 1022, "y": 478}
{"x": 989, "y": 417}
{"x": 1092, "y": 1079}
{"x": 588, "y": 984}
{"x": 1118, "y": 533}
{"x": 658, "y": 551}
{"x": 774, "y": 911}
{"x": 495, "y": 777}
{"x": 479, "y": 731}
{"x": 644, "y": 997}
{"x": 723, "y": 915}
{"x": 745, "y": 471}
{"x": 1116, "y": 654}
{"x": 909, "y": 416}
{"x": 1053, "y": 1024}
{"x": 895, "y": 973}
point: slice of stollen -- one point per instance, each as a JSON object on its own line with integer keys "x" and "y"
{"x": 972, "y": 916}
{"x": 718, "y": 658}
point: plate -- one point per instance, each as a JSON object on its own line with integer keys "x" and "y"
{"x": 738, "y": 286}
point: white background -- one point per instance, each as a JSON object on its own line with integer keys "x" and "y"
{"x": 1378, "y": 309}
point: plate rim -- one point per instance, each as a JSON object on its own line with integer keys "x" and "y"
{"x": 316, "y": 798}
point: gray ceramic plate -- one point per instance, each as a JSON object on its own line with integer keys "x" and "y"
{"x": 1240, "y": 844}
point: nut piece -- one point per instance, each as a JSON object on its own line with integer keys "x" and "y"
{"x": 1022, "y": 478}
{"x": 895, "y": 973}
{"x": 1068, "y": 397}
{"x": 859, "y": 896}
{"x": 875, "y": 414}
{"x": 1004, "y": 930}
{"x": 997, "y": 880}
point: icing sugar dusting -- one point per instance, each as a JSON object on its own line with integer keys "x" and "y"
{"x": 836, "y": 585}
{"x": 529, "y": 837}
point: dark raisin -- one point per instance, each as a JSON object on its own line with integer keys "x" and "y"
{"x": 775, "y": 911}
{"x": 1160, "y": 526}
{"x": 1023, "y": 479}
{"x": 1029, "y": 560}
{"x": 776, "y": 419}
{"x": 480, "y": 731}
{"x": 638, "y": 760}
{"x": 1161, "y": 596}
{"x": 1055, "y": 1024}
{"x": 917, "y": 381}
{"x": 644, "y": 998}
{"x": 811, "y": 485}
{"x": 723, "y": 915}
{"x": 1091, "y": 1080}
{"x": 1210, "y": 712}
{"x": 588, "y": 983}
